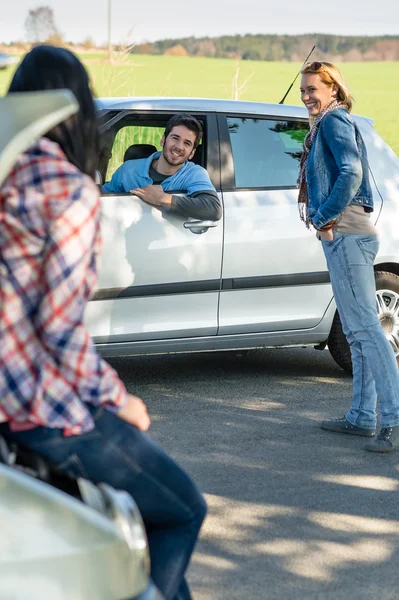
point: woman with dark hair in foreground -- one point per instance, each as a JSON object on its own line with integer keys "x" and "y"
{"x": 59, "y": 398}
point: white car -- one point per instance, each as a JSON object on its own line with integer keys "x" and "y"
{"x": 6, "y": 60}
{"x": 55, "y": 546}
{"x": 257, "y": 277}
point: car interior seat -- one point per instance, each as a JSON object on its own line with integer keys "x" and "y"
{"x": 139, "y": 151}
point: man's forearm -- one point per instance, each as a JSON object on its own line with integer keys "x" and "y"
{"x": 201, "y": 205}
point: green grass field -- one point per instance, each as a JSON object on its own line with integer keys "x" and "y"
{"x": 374, "y": 85}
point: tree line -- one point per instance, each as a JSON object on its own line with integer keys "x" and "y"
{"x": 40, "y": 27}
{"x": 278, "y": 47}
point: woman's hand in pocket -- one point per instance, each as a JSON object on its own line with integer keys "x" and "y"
{"x": 327, "y": 236}
{"x": 135, "y": 412}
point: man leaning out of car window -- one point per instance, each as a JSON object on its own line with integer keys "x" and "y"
{"x": 153, "y": 178}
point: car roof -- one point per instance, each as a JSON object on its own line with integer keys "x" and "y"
{"x": 200, "y": 105}
{"x": 203, "y": 105}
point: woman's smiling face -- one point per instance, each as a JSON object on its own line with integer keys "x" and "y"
{"x": 315, "y": 94}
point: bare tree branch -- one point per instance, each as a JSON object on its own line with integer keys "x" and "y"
{"x": 40, "y": 25}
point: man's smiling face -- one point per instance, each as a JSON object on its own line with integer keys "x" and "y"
{"x": 178, "y": 146}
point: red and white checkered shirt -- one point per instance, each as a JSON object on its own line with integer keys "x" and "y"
{"x": 49, "y": 241}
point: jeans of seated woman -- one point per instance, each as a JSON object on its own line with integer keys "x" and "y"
{"x": 350, "y": 259}
{"x": 118, "y": 454}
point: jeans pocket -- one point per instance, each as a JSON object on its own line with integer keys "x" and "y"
{"x": 72, "y": 466}
{"x": 368, "y": 246}
{"x": 333, "y": 244}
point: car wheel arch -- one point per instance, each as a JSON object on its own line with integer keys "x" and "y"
{"x": 337, "y": 344}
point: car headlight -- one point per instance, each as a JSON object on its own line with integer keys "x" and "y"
{"x": 120, "y": 507}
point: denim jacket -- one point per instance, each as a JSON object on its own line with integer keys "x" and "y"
{"x": 337, "y": 170}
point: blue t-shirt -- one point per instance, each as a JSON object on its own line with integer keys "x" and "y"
{"x": 190, "y": 178}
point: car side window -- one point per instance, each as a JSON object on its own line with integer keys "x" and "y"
{"x": 266, "y": 153}
{"x": 130, "y": 136}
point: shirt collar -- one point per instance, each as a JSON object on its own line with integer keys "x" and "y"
{"x": 145, "y": 167}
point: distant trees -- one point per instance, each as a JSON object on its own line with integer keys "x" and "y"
{"x": 281, "y": 47}
{"x": 40, "y": 26}
{"x": 177, "y": 50}
{"x": 88, "y": 43}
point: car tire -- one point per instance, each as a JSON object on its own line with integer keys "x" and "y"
{"x": 387, "y": 285}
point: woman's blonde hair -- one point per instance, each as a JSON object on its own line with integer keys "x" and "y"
{"x": 330, "y": 75}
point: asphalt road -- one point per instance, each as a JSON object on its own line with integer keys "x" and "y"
{"x": 294, "y": 512}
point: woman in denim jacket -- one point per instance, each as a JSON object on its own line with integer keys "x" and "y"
{"x": 335, "y": 197}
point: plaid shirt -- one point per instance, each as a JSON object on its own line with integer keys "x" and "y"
{"x": 50, "y": 237}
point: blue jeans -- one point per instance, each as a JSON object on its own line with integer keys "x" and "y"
{"x": 116, "y": 453}
{"x": 350, "y": 260}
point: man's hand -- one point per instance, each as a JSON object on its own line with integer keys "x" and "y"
{"x": 154, "y": 195}
{"x": 135, "y": 413}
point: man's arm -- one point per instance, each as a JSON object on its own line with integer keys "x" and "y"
{"x": 204, "y": 205}
{"x": 200, "y": 201}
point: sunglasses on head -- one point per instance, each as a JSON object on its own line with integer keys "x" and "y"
{"x": 314, "y": 66}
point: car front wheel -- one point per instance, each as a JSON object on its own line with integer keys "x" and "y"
{"x": 387, "y": 297}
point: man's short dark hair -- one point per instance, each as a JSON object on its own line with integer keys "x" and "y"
{"x": 188, "y": 121}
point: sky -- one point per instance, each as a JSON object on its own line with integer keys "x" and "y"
{"x": 133, "y": 22}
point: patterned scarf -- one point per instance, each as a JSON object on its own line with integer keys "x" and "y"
{"x": 307, "y": 144}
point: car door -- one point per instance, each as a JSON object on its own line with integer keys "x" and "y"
{"x": 159, "y": 275}
{"x": 274, "y": 276}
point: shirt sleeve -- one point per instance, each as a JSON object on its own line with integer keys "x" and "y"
{"x": 200, "y": 205}
{"x": 115, "y": 186}
{"x": 340, "y": 136}
{"x": 69, "y": 277}
{"x": 198, "y": 180}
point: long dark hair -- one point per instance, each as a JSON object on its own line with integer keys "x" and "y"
{"x": 52, "y": 68}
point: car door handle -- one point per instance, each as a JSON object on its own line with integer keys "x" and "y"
{"x": 197, "y": 226}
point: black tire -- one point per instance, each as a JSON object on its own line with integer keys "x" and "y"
{"x": 337, "y": 344}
